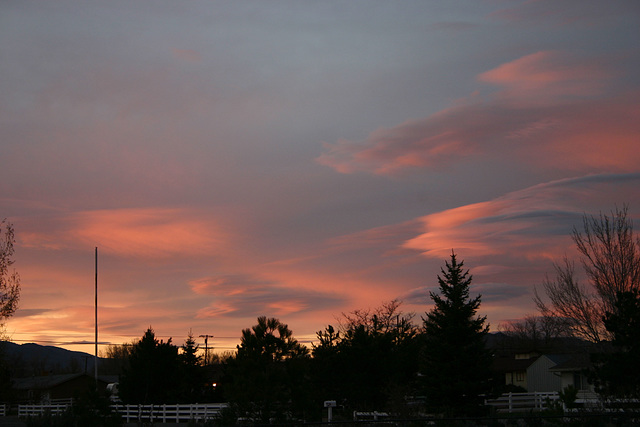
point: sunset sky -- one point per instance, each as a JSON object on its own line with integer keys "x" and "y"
{"x": 300, "y": 159}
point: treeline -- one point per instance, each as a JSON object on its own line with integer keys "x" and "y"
{"x": 386, "y": 360}
{"x": 372, "y": 360}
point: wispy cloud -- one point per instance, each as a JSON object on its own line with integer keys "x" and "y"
{"x": 147, "y": 233}
{"x": 549, "y": 108}
{"x": 246, "y": 296}
{"x": 530, "y": 223}
{"x": 550, "y": 75}
{"x": 570, "y": 12}
{"x": 491, "y": 293}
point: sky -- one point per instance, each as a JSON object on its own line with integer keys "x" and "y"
{"x": 303, "y": 159}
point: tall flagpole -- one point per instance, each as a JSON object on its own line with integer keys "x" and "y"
{"x": 96, "y": 312}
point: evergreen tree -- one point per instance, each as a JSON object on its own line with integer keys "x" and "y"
{"x": 153, "y": 373}
{"x": 455, "y": 363}
{"x": 192, "y": 378}
{"x": 267, "y": 379}
{"x": 617, "y": 372}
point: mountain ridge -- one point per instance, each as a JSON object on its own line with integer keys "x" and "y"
{"x": 31, "y": 359}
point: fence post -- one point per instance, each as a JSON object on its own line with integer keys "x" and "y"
{"x": 510, "y": 402}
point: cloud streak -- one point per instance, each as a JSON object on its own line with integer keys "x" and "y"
{"x": 550, "y": 112}
{"x": 531, "y": 223}
{"x": 243, "y": 296}
{"x": 147, "y": 233}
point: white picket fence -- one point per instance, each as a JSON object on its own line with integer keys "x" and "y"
{"x": 3, "y": 410}
{"x": 137, "y": 413}
{"x": 517, "y": 402}
{"x": 54, "y": 408}
{"x": 169, "y": 413}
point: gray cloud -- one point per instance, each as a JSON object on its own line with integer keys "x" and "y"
{"x": 490, "y": 293}
{"x": 28, "y": 312}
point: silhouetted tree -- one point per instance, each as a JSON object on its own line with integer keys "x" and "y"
{"x": 9, "y": 279}
{"x": 370, "y": 363}
{"x": 617, "y": 372}
{"x": 6, "y": 389}
{"x": 9, "y": 297}
{"x": 153, "y": 374}
{"x": 267, "y": 379}
{"x": 610, "y": 257}
{"x": 192, "y": 375}
{"x": 539, "y": 333}
{"x": 116, "y": 358}
{"x": 456, "y": 364}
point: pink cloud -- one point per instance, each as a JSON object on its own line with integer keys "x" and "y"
{"x": 533, "y": 223}
{"x": 148, "y": 232}
{"x": 215, "y": 310}
{"x": 227, "y": 285}
{"x": 549, "y": 74}
{"x": 550, "y": 108}
{"x": 243, "y": 295}
{"x": 433, "y": 142}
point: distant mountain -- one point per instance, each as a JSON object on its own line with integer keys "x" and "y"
{"x": 30, "y": 359}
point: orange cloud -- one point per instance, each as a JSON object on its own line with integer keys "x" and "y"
{"x": 548, "y": 74}
{"x": 148, "y": 232}
{"x": 530, "y": 223}
{"x": 244, "y": 295}
{"x": 215, "y": 310}
{"x": 551, "y": 108}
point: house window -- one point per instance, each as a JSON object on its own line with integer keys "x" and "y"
{"x": 520, "y": 376}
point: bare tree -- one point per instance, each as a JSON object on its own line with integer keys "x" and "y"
{"x": 533, "y": 332}
{"x": 384, "y": 319}
{"x": 610, "y": 256}
{"x": 9, "y": 279}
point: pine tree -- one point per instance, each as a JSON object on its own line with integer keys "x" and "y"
{"x": 267, "y": 379}
{"x": 192, "y": 374}
{"x": 455, "y": 363}
{"x": 153, "y": 372}
{"x": 616, "y": 371}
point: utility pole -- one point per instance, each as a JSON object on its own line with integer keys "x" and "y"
{"x": 96, "y": 313}
{"x": 206, "y": 347}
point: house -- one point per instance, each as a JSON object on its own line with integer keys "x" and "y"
{"x": 544, "y": 373}
{"x": 514, "y": 369}
{"x": 554, "y": 372}
{"x": 571, "y": 372}
{"x": 47, "y": 388}
{"x": 540, "y": 377}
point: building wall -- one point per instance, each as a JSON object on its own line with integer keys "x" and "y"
{"x": 72, "y": 388}
{"x": 540, "y": 379}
